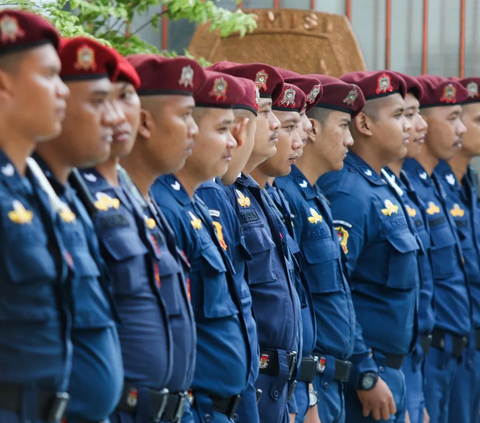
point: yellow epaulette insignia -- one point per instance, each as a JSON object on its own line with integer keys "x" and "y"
{"x": 242, "y": 200}
{"x": 196, "y": 222}
{"x": 20, "y": 214}
{"x": 105, "y": 202}
{"x": 457, "y": 211}
{"x": 315, "y": 217}
{"x": 432, "y": 208}
{"x": 390, "y": 208}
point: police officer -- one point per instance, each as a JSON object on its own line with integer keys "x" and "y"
{"x": 440, "y": 107}
{"x": 458, "y": 181}
{"x": 269, "y": 278}
{"x": 97, "y": 372}
{"x": 35, "y": 346}
{"x": 380, "y": 245}
{"x": 138, "y": 247}
{"x": 230, "y": 232}
{"x": 413, "y": 366}
{"x": 223, "y": 356}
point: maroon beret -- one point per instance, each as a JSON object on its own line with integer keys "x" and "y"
{"x": 167, "y": 76}
{"x": 413, "y": 86}
{"x": 293, "y": 99}
{"x": 471, "y": 84}
{"x": 267, "y": 79}
{"x": 250, "y": 97}
{"x": 310, "y": 85}
{"x": 439, "y": 91}
{"x": 340, "y": 96}
{"x": 220, "y": 91}
{"x": 84, "y": 58}
{"x": 21, "y": 30}
{"x": 127, "y": 73}
{"x": 377, "y": 84}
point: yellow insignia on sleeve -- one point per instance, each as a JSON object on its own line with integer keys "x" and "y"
{"x": 411, "y": 212}
{"x": 105, "y": 202}
{"x": 20, "y": 214}
{"x": 432, "y": 208}
{"x": 242, "y": 200}
{"x": 67, "y": 215}
{"x": 196, "y": 222}
{"x": 390, "y": 208}
{"x": 315, "y": 217}
{"x": 149, "y": 222}
{"x": 457, "y": 211}
{"x": 219, "y": 229}
{"x": 342, "y": 237}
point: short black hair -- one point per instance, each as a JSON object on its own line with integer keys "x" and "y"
{"x": 319, "y": 113}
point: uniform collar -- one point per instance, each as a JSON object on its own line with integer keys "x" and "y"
{"x": 247, "y": 181}
{"x": 177, "y": 189}
{"x": 417, "y": 169}
{"x": 362, "y": 167}
{"x": 95, "y": 179}
{"x": 305, "y": 188}
{"x": 58, "y": 187}
{"x": 445, "y": 173}
{"x": 11, "y": 178}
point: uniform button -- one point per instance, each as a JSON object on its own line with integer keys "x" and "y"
{"x": 208, "y": 418}
{"x": 325, "y": 385}
{"x": 235, "y": 417}
{"x": 381, "y": 369}
{"x": 276, "y": 394}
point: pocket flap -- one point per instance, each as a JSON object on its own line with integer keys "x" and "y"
{"x": 442, "y": 237}
{"x": 214, "y": 259}
{"x": 123, "y": 250}
{"x": 257, "y": 240}
{"x": 84, "y": 263}
{"x": 403, "y": 242}
{"x": 321, "y": 250}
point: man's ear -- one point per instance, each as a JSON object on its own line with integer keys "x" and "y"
{"x": 363, "y": 124}
{"x": 5, "y": 84}
{"x": 147, "y": 124}
{"x": 314, "y": 130}
{"x": 238, "y": 130}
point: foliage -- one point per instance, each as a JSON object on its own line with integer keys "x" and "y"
{"x": 110, "y": 20}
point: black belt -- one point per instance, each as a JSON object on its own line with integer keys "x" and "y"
{"x": 226, "y": 406}
{"x": 426, "y": 343}
{"x": 477, "y": 340}
{"x": 269, "y": 362}
{"x": 394, "y": 361}
{"x": 163, "y": 405}
{"x": 308, "y": 369}
{"x": 459, "y": 342}
{"x": 342, "y": 368}
{"x": 50, "y": 407}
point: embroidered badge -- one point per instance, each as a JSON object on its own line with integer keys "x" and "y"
{"x": 85, "y": 58}
{"x": 432, "y": 208}
{"x": 242, "y": 200}
{"x": 315, "y": 216}
{"x": 219, "y": 90}
{"x": 449, "y": 94}
{"x": 261, "y": 79}
{"x": 186, "y": 78}
{"x": 20, "y": 214}
{"x": 10, "y": 29}
{"x": 132, "y": 397}
{"x": 105, "y": 202}
{"x": 288, "y": 99}
{"x": 195, "y": 222}
{"x": 303, "y": 184}
{"x": 343, "y": 235}
{"x": 219, "y": 230}
{"x": 351, "y": 97}
{"x": 411, "y": 212}
{"x": 368, "y": 172}
{"x": 472, "y": 88}
{"x": 149, "y": 222}
{"x": 90, "y": 177}
{"x": 176, "y": 186}
{"x": 384, "y": 83}
{"x": 450, "y": 179}
{"x": 264, "y": 360}
{"x": 67, "y": 215}
{"x": 322, "y": 364}
{"x": 457, "y": 211}
{"x": 423, "y": 175}
{"x": 390, "y": 208}
{"x": 8, "y": 170}
{"x": 312, "y": 95}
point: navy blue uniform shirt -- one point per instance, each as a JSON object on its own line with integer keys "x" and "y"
{"x": 35, "y": 315}
{"x": 97, "y": 372}
{"x": 223, "y": 361}
{"x": 145, "y": 332}
{"x": 381, "y": 253}
{"x": 451, "y": 294}
{"x": 463, "y": 206}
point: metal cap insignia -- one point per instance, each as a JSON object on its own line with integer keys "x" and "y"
{"x": 384, "y": 84}
{"x": 351, "y": 97}
{"x": 186, "y": 79}
{"x": 449, "y": 94}
{"x": 312, "y": 95}
{"x": 10, "y": 29}
{"x": 288, "y": 98}
{"x": 261, "y": 79}
{"x": 219, "y": 90}
{"x": 472, "y": 88}
{"x": 85, "y": 58}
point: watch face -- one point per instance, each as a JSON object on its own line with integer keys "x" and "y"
{"x": 368, "y": 382}
{"x": 313, "y": 398}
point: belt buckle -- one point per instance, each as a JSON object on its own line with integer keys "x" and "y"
{"x": 180, "y": 409}
{"x": 293, "y": 364}
{"x": 291, "y": 390}
{"x": 233, "y": 406}
{"x": 59, "y": 406}
{"x": 157, "y": 415}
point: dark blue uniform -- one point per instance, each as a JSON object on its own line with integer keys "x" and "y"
{"x": 332, "y": 302}
{"x": 452, "y": 323}
{"x": 35, "y": 316}
{"x": 463, "y": 206}
{"x": 381, "y": 252}
{"x": 413, "y": 366}
{"x": 223, "y": 360}
{"x": 97, "y": 372}
{"x": 231, "y": 235}
{"x": 271, "y": 290}
{"x": 130, "y": 248}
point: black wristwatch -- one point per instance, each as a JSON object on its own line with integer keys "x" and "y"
{"x": 312, "y": 398}
{"x": 368, "y": 380}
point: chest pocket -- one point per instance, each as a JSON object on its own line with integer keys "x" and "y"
{"x": 170, "y": 281}
{"x": 127, "y": 262}
{"x": 443, "y": 251}
{"x": 260, "y": 246}
{"x": 28, "y": 292}
{"x": 217, "y": 301}
{"x": 322, "y": 269}
{"x": 402, "y": 260}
